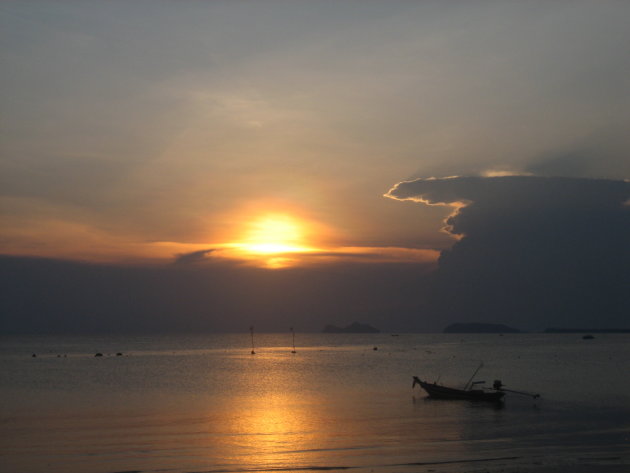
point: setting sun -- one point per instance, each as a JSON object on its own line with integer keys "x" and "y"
{"x": 274, "y": 239}
{"x": 274, "y": 234}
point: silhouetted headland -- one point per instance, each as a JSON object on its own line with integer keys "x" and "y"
{"x": 476, "y": 327}
{"x": 354, "y": 327}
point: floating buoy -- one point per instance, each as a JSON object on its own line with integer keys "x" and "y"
{"x": 375, "y": 348}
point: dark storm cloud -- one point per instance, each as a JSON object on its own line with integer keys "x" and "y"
{"x": 533, "y": 251}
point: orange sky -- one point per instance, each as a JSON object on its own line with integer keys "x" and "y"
{"x": 147, "y": 131}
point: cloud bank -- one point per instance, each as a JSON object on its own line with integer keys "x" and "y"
{"x": 55, "y": 296}
{"x": 532, "y": 251}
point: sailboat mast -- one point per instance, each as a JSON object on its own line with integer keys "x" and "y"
{"x": 251, "y": 331}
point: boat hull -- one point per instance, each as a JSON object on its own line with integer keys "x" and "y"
{"x": 442, "y": 392}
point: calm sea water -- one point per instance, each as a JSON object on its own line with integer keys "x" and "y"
{"x": 203, "y": 403}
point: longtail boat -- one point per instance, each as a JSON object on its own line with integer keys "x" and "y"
{"x": 438, "y": 391}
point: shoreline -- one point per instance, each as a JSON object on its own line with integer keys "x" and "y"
{"x": 603, "y": 464}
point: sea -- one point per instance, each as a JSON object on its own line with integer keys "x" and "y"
{"x": 205, "y": 403}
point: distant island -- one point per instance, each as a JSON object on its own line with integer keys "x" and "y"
{"x": 354, "y": 327}
{"x": 587, "y": 330}
{"x": 479, "y": 328}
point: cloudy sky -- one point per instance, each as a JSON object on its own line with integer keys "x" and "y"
{"x": 285, "y": 134}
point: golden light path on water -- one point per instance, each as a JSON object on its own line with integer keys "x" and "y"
{"x": 274, "y": 422}
{"x": 275, "y": 430}
{"x": 277, "y": 423}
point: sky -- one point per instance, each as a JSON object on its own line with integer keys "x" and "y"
{"x": 317, "y": 144}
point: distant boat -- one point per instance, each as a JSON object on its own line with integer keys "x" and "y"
{"x": 437, "y": 391}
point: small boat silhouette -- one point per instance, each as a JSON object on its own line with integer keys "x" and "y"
{"x": 438, "y": 391}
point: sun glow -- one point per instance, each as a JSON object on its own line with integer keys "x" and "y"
{"x": 275, "y": 233}
{"x": 285, "y": 239}
{"x": 275, "y": 240}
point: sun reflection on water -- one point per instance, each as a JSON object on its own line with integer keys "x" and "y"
{"x": 275, "y": 431}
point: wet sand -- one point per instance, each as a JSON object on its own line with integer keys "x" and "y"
{"x": 560, "y": 468}
{"x": 519, "y": 465}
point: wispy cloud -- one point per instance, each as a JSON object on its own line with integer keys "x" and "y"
{"x": 193, "y": 257}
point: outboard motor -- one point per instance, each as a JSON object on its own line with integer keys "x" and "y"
{"x": 498, "y": 385}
